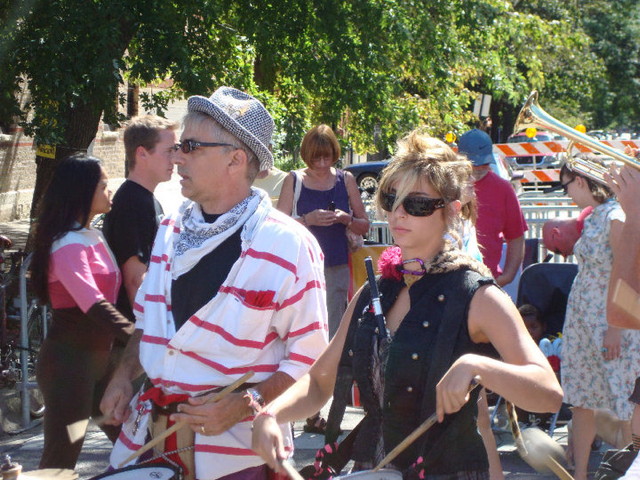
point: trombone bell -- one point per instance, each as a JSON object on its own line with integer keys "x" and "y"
{"x": 532, "y": 115}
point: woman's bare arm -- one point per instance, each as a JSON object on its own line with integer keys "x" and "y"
{"x": 360, "y": 224}
{"x": 303, "y": 398}
{"x": 523, "y": 376}
{"x": 285, "y": 201}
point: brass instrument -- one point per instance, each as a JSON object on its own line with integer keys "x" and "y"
{"x": 532, "y": 115}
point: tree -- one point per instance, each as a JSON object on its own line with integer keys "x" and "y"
{"x": 615, "y": 30}
{"x": 535, "y": 45}
{"x": 307, "y": 60}
{"x": 372, "y": 69}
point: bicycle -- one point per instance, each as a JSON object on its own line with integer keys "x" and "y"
{"x": 18, "y": 352}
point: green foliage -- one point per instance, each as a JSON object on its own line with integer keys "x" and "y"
{"x": 615, "y": 30}
{"x": 372, "y": 69}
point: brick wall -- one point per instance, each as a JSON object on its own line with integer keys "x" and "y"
{"x": 18, "y": 168}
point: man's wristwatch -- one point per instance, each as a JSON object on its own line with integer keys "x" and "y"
{"x": 256, "y": 402}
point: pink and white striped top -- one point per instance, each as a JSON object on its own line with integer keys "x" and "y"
{"x": 82, "y": 270}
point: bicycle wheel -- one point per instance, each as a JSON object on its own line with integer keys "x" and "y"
{"x": 36, "y": 399}
{"x": 35, "y": 333}
{"x": 36, "y": 403}
{"x": 35, "y": 327}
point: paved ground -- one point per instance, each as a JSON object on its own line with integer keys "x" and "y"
{"x": 25, "y": 448}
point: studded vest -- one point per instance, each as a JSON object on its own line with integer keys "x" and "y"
{"x": 430, "y": 338}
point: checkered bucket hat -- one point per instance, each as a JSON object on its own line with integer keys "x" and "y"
{"x": 242, "y": 115}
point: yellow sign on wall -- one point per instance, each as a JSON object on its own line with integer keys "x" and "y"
{"x": 46, "y": 151}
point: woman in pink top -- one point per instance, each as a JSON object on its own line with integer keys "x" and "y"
{"x": 73, "y": 269}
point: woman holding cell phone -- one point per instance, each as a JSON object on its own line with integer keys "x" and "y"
{"x": 327, "y": 201}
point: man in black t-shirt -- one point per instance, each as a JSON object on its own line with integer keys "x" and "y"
{"x": 131, "y": 225}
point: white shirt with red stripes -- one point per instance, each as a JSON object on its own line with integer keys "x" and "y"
{"x": 268, "y": 316}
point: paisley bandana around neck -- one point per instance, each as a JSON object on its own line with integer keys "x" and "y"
{"x": 197, "y": 237}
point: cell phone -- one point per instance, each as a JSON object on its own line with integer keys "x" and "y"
{"x": 331, "y": 206}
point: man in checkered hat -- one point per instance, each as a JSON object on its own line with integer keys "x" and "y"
{"x": 234, "y": 286}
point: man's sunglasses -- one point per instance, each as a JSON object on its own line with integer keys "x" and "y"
{"x": 414, "y": 205}
{"x": 188, "y": 146}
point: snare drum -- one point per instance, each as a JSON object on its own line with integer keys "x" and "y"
{"x": 382, "y": 474}
{"x": 147, "y": 471}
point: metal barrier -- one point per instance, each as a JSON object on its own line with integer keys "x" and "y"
{"x": 379, "y": 233}
{"x": 25, "y": 384}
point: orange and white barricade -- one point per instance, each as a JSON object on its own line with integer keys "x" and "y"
{"x": 549, "y": 148}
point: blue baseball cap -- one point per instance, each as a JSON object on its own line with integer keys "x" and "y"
{"x": 477, "y": 146}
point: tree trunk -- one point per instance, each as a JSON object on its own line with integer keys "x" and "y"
{"x": 82, "y": 126}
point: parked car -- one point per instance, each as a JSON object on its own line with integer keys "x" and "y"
{"x": 367, "y": 174}
{"x": 537, "y": 161}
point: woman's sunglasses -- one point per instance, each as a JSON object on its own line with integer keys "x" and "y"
{"x": 414, "y": 205}
{"x": 565, "y": 186}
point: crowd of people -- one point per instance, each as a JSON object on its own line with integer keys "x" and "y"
{"x": 156, "y": 314}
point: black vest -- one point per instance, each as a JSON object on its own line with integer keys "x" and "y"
{"x": 430, "y": 338}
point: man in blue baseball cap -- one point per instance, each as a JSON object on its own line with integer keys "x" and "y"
{"x": 500, "y": 218}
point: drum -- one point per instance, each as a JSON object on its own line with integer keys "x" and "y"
{"x": 150, "y": 471}
{"x": 382, "y": 474}
{"x": 49, "y": 474}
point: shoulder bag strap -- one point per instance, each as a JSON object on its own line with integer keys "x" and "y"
{"x": 297, "y": 187}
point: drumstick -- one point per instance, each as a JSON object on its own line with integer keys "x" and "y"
{"x": 290, "y": 471}
{"x": 515, "y": 428}
{"x": 413, "y": 436}
{"x": 558, "y": 469}
{"x": 76, "y": 430}
{"x": 177, "y": 426}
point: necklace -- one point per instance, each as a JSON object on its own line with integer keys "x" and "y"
{"x": 412, "y": 276}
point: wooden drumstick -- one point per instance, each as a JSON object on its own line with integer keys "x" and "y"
{"x": 77, "y": 430}
{"x": 515, "y": 428}
{"x": 558, "y": 469}
{"x": 177, "y": 426}
{"x": 290, "y": 471}
{"x": 413, "y": 436}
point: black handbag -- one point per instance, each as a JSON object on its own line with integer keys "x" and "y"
{"x": 615, "y": 463}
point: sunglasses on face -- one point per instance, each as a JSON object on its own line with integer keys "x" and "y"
{"x": 414, "y": 205}
{"x": 565, "y": 186}
{"x": 188, "y": 146}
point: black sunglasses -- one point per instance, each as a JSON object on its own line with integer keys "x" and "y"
{"x": 188, "y": 146}
{"x": 414, "y": 205}
{"x": 565, "y": 186}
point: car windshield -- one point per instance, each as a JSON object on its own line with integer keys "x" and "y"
{"x": 524, "y": 138}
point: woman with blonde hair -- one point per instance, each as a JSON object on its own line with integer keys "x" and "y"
{"x": 442, "y": 308}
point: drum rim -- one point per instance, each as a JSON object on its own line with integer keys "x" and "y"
{"x": 369, "y": 472}
{"x": 137, "y": 466}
